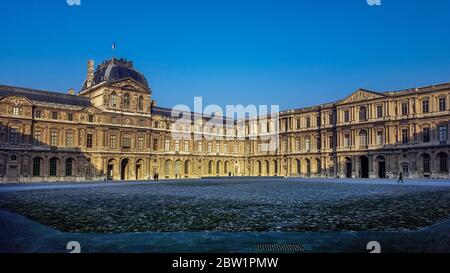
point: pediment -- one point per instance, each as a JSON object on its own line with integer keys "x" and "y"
{"x": 129, "y": 84}
{"x": 361, "y": 95}
{"x": 17, "y": 100}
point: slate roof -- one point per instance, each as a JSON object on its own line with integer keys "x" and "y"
{"x": 117, "y": 69}
{"x": 44, "y": 96}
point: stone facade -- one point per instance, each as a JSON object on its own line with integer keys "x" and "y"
{"x": 112, "y": 130}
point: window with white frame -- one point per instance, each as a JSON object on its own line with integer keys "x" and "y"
{"x": 347, "y": 140}
{"x": 380, "y": 137}
{"x": 167, "y": 145}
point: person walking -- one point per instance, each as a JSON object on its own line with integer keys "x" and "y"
{"x": 400, "y": 178}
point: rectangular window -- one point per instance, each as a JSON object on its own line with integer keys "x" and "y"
{"x": 126, "y": 142}
{"x": 37, "y": 114}
{"x": 54, "y": 139}
{"x": 379, "y": 111}
{"x": 330, "y": 119}
{"x": 113, "y": 141}
{"x": 443, "y": 134}
{"x": 177, "y": 145}
{"x": 70, "y": 117}
{"x": 308, "y": 122}
{"x": 199, "y": 147}
{"x": 15, "y": 111}
{"x": 13, "y": 137}
{"x": 155, "y": 144}
{"x": 347, "y": 140}
{"x": 141, "y": 143}
{"x": 186, "y": 146}
{"x": 298, "y": 124}
{"x": 380, "y": 137}
{"x": 405, "y": 168}
{"x": 426, "y": 135}
{"x": 225, "y": 148}
{"x": 404, "y": 109}
{"x": 308, "y": 144}
{"x": 235, "y": 148}
{"x": 330, "y": 142}
{"x": 218, "y": 147}
{"x": 404, "y": 136}
{"x": 209, "y": 147}
{"x": 167, "y": 145}
{"x": 425, "y": 106}
{"x": 54, "y": 115}
{"x": 318, "y": 143}
{"x": 69, "y": 139}
{"x": 37, "y": 138}
{"x": 442, "y": 104}
{"x": 346, "y": 116}
{"x": 318, "y": 122}
{"x": 91, "y": 118}
{"x": 89, "y": 138}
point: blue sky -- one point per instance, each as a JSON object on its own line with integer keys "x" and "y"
{"x": 292, "y": 53}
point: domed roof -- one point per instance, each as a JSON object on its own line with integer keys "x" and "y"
{"x": 117, "y": 69}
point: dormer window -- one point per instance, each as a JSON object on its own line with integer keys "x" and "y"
{"x": 126, "y": 101}
{"x": 141, "y": 103}
{"x": 15, "y": 111}
{"x": 113, "y": 99}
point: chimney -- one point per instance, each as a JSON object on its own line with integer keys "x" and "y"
{"x": 71, "y": 91}
{"x": 90, "y": 74}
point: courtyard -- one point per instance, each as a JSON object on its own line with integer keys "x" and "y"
{"x": 234, "y": 213}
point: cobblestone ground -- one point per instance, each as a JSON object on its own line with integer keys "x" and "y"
{"x": 236, "y": 205}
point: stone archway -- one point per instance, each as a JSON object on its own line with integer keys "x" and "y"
{"x": 139, "y": 169}
{"x": 110, "y": 173}
{"x": 348, "y": 167}
{"x": 124, "y": 169}
{"x": 187, "y": 168}
{"x": 381, "y": 165}
{"x": 364, "y": 166}
{"x": 308, "y": 167}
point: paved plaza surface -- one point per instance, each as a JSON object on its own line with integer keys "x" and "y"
{"x": 226, "y": 215}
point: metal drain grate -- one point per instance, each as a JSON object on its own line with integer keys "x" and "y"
{"x": 281, "y": 248}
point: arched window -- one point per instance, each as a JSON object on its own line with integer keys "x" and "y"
{"x": 210, "y": 167}
{"x": 167, "y": 168}
{"x": 443, "y": 162}
{"x": 126, "y": 101}
{"x": 363, "y": 138}
{"x": 36, "y": 166}
{"x": 126, "y": 142}
{"x": 141, "y": 103}
{"x": 69, "y": 167}
{"x": 113, "y": 101}
{"x": 426, "y": 163}
{"x": 362, "y": 113}
{"x": 53, "y": 166}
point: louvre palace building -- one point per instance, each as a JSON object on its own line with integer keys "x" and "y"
{"x": 113, "y": 130}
